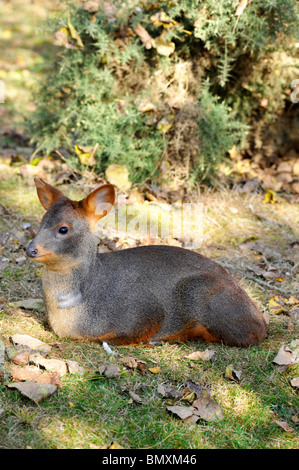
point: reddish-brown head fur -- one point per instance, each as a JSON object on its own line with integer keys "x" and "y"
{"x": 67, "y": 223}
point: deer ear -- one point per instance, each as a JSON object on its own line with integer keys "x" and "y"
{"x": 47, "y": 194}
{"x": 99, "y": 203}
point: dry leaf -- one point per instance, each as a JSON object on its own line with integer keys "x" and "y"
{"x": 34, "y": 374}
{"x": 33, "y": 390}
{"x": 155, "y": 370}
{"x": 165, "y": 48}
{"x": 208, "y": 409}
{"x": 86, "y": 154}
{"x": 145, "y": 37}
{"x": 285, "y": 356}
{"x": 118, "y": 176}
{"x": 135, "y": 397}
{"x": 198, "y": 389}
{"x": 183, "y": 412}
{"x": 277, "y": 304}
{"x": 32, "y": 343}
{"x": 74, "y": 368}
{"x": 284, "y": 425}
{"x": 31, "y": 304}
{"x": 241, "y": 7}
{"x": 169, "y": 392}
{"x": 92, "y": 6}
{"x": 112, "y": 371}
{"x": 141, "y": 365}
{"x": 295, "y": 382}
{"x": 206, "y": 355}
{"x": 54, "y": 365}
{"x": 162, "y": 19}
{"x": 232, "y": 374}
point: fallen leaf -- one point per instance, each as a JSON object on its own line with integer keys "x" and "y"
{"x": 284, "y": 425}
{"x": 232, "y": 374}
{"x": 141, "y": 365}
{"x": 118, "y": 176}
{"x": 86, "y": 154}
{"x": 18, "y": 354}
{"x": 183, "y": 412}
{"x": 295, "y": 382}
{"x": 112, "y": 445}
{"x": 129, "y": 362}
{"x": 206, "y": 355}
{"x": 165, "y": 124}
{"x": 145, "y": 37}
{"x": 208, "y": 409}
{"x": 285, "y": 357}
{"x": 270, "y": 196}
{"x": 155, "y": 370}
{"x": 31, "y": 304}
{"x": 92, "y": 6}
{"x": 54, "y": 365}
{"x": 278, "y": 304}
{"x": 135, "y": 397}
{"x": 33, "y": 390}
{"x": 34, "y": 374}
{"x": 32, "y": 343}
{"x": 165, "y": 48}
{"x": 112, "y": 371}
{"x": 74, "y": 368}
{"x": 199, "y": 389}
{"x": 162, "y": 19}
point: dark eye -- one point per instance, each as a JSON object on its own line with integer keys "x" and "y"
{"x": 63, "y": 230}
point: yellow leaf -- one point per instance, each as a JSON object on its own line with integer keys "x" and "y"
{"x": 163, "y": 47}
{"x": 74, "y": 34}
{"x": 86, "y": 154}
{"x": 270, "y": 196}
{"x": 69, "y": 37}
{"x": 162, "y": 19}
{"x": 277, "y": 304}
{"x": 278, "y": 279}
{"x": 155, "y": 370}
{"x": 165, "y": 124}
{"x": 119, "y": 176}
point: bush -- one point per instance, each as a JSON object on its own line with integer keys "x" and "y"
{"x": 127, "y": 71}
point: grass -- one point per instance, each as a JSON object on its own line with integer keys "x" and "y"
{"x": 93, "y": 411}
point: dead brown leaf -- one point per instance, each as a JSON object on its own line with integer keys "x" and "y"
{"x": 208, "y": 409}
{"x": 34, "y": 374}
{"x": 183, "y": 412}
{"x": 54, "y": 365}
{"x": 32, "y": 343}
{"x": 232, "y": 374}
{"x": 206, "y": 355}
{"x": 284, "y": 425}
{"x": 33, "y": 390}
{"x": 145, "y": 37}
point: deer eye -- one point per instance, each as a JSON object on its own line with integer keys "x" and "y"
{"x": 63, "y": 230}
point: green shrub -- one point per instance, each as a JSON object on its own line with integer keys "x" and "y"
{"x": 112, "y": 59}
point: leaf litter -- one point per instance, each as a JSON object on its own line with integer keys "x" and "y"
{"x": 33, "y": 375}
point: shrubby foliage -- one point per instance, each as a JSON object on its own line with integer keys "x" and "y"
{"x": 165, "y": 83}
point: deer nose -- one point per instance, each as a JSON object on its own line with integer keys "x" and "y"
{"x": 31, "y": 251}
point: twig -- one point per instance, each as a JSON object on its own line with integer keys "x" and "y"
{"x": 259, "y": 281}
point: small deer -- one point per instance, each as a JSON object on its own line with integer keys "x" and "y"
{"x": 147, "y": 293}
